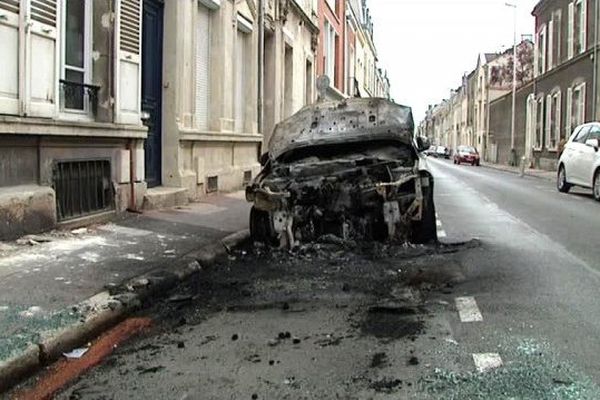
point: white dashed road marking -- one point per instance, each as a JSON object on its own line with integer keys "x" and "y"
{"x": 438, "y": 222}
{"x": 468, "y": 310}
{"x": 442, "y": 233}
{"x": 485, "y": 362}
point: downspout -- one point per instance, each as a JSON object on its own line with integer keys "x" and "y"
{"x": 261, "y": 64}
{"x": 112, "y": 85}
{"x": 132, "y": 167}
{"x": 595, "y": 73}
{"x": 486, "y": 146}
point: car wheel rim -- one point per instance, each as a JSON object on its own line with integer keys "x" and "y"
{"x": 597, "y": 186}
{"x": 561, "y": 178}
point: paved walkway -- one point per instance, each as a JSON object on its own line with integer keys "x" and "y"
{"x": 538, "y": 173}
{"x": 41, "y": 276}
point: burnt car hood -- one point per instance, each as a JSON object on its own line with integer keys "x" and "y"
{"x": 346, "y": 121}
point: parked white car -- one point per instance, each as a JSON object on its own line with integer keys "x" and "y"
{"x": 579, "y": 164}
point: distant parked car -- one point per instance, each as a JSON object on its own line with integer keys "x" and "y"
{"x": 579, "y": 164}
{"x": 466, "y": 154}
{"x": 443, "y": 152}
{"x": 431, "y": 151}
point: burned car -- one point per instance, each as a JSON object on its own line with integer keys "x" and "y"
{"x": 352, "y": 169}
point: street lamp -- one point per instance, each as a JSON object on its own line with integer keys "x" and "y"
{"x": 513, "y": 153}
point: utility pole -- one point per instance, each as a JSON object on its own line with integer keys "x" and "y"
{"x": 513, "y": 153}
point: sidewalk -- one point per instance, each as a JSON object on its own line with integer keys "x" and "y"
{"x": 536, "y": 173}
{"x": 42, "y": 277}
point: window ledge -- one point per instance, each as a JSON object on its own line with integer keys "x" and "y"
{"x": 211, "y": 136}
{"x": 54, "y": 127}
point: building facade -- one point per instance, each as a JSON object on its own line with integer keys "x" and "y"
{"x": 71, "y": 132}
{"x": 331, "y": 51}
{"x": 565, "y": 91}
{"x": 291, "y": 37}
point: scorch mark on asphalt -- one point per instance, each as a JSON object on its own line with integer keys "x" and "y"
{"x": 468, "y": 310}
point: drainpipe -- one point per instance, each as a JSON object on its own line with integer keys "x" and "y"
{"x": 595, "y": 73}
{"x": 132, "y": 167}
{"x": 261, "y": 63}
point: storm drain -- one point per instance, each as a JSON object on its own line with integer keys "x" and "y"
{"x": 82, "y": 188}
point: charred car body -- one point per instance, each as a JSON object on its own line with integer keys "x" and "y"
{"x": 352, "y": 169}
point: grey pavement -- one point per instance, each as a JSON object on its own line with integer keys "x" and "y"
{"x": 537, "y": 173}
{"x": 41, "y": 276}
{"x": 523, "y": 303}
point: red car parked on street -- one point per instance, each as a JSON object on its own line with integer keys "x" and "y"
{"x": 466, "y": 154}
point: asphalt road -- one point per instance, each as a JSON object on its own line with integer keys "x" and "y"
{"x": 515, "y": 314}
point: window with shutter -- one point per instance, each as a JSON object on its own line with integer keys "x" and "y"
{"x": 76, "y": 60}
{"x": 568, "y": 113}
{"x": 41, "y": 73}
{"x": 9, "y": 48}
{"x": 128, "y": 32}
{"x": 202, "y": 67}
{"x": 28, "y": 37}
{"x": 240, "y": 80}
{"x": 570, "y": 31}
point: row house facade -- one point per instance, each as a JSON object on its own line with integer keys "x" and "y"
{"x": 204, "y": 133}
{"x": 110, "y": 105}
{"x": 468, "y": 111}
{"x": 291, "y": 38}
{"x": 71, "y": 131}
{"x": 565, "y": 88}
{"x": 346, "y": 53}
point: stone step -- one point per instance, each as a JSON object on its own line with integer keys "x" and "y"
{"x": 164, "y": 197}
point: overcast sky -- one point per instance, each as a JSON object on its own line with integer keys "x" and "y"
{"x": 427, "y": 45}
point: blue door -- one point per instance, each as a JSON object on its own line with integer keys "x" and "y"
{"x": 152, "y": 38}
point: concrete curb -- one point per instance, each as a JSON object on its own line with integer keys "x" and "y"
{"x": 105, "y": 309}
{"x": 516, "y": 172}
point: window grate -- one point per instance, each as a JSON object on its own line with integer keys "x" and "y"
{"x": 212, "y": 184}
{"x": 82, "y": 188}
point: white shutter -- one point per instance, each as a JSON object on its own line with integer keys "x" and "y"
{"x": 558, "y": 121}
{"x": 128, "y": 69}
{"x": 548, "y": 120}
{"x": 536, "y": 54}
{"x": 9, "y": 49}
{"x": 582, "y": 104}
{"x": 583, "y": 24}
{"x": 550, "y": 44}
{"x": 570, "y": 31}
{"x": 41, "y": 59}
{"x": 202, "y": 67}
{"x": 569, "y": 113}
{"x": 240, "y": 81}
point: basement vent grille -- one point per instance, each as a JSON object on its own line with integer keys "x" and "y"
{"x": 44, "y": 11}
{"x": 212, "y": 184}
{"x": 82, "y": 188}
{"x": 10, "y": 5}
{"x": 130, "y": 26}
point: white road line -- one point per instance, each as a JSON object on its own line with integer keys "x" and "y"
{"x": 468, "y": 310}
{"x": 442, "y": 233}
{"x": 438, "y": 222}
{"x": 485, "y": 362}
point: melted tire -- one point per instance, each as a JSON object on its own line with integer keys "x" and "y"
{"x": 425, "y": 231}
{"x": 260, "y": 227}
